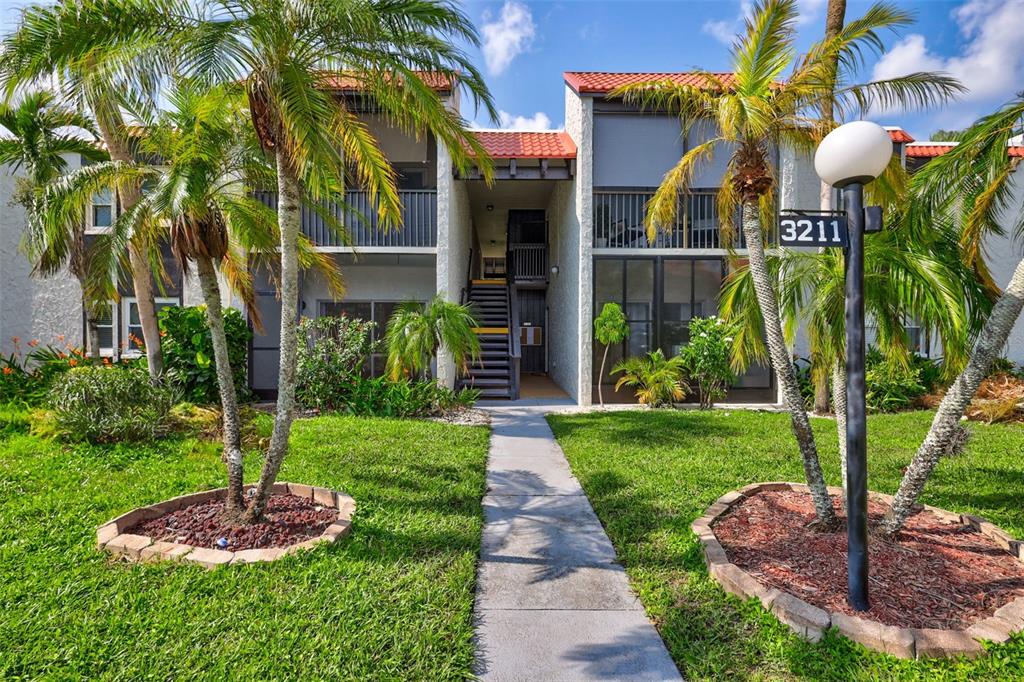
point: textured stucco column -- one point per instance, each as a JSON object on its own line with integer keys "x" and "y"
{"x": 453, "y": 245}
{"x": 579, "y": 123}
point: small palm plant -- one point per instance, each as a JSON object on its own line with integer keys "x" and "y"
{"x": 658, "y": 381}
{"x": 416, "y": 333}
{"x": 610, "y": 327}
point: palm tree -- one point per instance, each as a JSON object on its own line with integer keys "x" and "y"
{"x": 416, "y": 333}
{"x": 285, "y": 54}
{"x": 43, "y": 132}
{"x": 754, "y": 111}
{"x": 971, "y": 185}
{"x": 657, "y": 380}
{"x": 110, "y": 55}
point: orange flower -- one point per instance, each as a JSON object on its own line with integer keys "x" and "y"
{"x": 60, "y": 338}
{"x": 33, "y": 343}
{"x": 73, "y": 362}
{"x": 62, "y": 355}
{"x": 15, "y": 340}
{"x": 8, "y": 370}
{"x": 106, "y": 361}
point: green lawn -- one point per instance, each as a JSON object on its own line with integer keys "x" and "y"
{"x": 391, "y": 601}
{"x": 649, "y": 474}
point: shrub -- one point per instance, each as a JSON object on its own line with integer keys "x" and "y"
{"x": 331, "y": 355}
{"x": 104, "y": 405}
{"x": 25, "y": 378}
{"x": 891, "y": 388}
{"x": 802, "y": 368}
{"x": 707, "y": 358}
{"x": 657, "y": 380}
{"x": 188, "y": 352}
{"x": 382, "y": 397}
{"x": 1002, "y": 366}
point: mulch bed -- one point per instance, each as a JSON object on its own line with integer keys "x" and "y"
{"x": 288, "y": 520}
{"x": 938, "y": 575}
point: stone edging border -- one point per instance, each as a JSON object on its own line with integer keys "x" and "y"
{"x": 110, "y": 537}
{"x": 810, "y": 622}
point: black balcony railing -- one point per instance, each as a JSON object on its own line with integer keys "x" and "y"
{"x": 527, "y": 262}
{"x": 418, "y": 228}
{"x": 619, "y": 222}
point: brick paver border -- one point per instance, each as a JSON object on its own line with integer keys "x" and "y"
{"x": 111, "y": 536}
{"x": 811, "y": 622}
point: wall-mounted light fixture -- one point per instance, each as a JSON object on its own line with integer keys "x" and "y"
{"x": 490, "y": 207}
{"x": 554, "y": 270}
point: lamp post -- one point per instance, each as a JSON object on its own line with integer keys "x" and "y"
{"x": 849, "y": 157}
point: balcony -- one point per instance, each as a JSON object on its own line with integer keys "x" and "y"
{"x": 418, "y": 229}
{"x": 619, "y": 222}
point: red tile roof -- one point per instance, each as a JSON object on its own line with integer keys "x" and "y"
{"x": 348, "y": 82}
{"x": 514, "y": 144}
{"x": 603, "y": 82}
{"x": 899, "y": 135}
{"x": 929, "y": 150}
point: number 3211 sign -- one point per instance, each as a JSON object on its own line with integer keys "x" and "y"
{"x": 802, "y": 229}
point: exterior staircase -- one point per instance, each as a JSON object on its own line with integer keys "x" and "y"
{"x": 491, "y": 373}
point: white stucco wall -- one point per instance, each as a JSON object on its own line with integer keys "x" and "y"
{"x": 1003, "y": 255}
{"x": 562, "y": 297}
{"x": 454, "y": 239}
{"x": 32, "y": 307}
{"x": 374, "y": 277}
{"x": 579, "y": 124}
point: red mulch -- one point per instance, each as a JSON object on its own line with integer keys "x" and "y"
{"x": 938, "y": 575}
{"x": 288, "y": 520}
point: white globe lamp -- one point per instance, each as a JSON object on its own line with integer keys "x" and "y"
{"x": 853, "y": 152}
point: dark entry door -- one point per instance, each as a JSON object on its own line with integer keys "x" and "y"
{"x": 527, "y": 245}
{"x": 533, "y": 329}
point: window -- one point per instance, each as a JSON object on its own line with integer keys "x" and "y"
{"x": 105, "y": 328}
{"x": 378, "y": 312}
{"x": 133, "y": 324}
{"x": 101, "y": 212}
{"x": 494, "y": 267}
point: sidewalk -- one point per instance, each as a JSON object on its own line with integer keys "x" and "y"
{"x": 552, "y": 603}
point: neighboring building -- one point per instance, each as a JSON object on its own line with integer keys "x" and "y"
{"x": 558, "y": 234}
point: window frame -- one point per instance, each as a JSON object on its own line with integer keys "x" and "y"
{"x": 126, "y": 309}
{"x": 90, "y": 218}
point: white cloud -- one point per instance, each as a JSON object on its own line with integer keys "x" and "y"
{"x": 539, "y": 121}
{"x": 990, "y": 62}
{"x": 726, "y": 30}
{"x": 508, "y": 36}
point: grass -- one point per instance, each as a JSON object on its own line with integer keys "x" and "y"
{"x": 649, "y": 474}
{"x": 391, "y": 601}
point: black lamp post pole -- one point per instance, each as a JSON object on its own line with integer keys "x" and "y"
{"x": 856, "y": 423}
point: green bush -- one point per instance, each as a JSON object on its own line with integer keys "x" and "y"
{"x": 104, "y": 405}
{"x": 382, "y": 397}
{"x": 707, "y": 358}
{"x": 188, "y": 352}
{"x": 657, "y": 381}
{"x": 25, "y": 377}
{"x": 330, "y": 359}
{"x": 890, "y": 387}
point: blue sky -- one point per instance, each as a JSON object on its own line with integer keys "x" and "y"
{"x": 527, "y": 46}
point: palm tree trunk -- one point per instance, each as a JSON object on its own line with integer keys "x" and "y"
{"x": 987, "y": 348}
{"x": 765, "y": 290}
{"x": 600, "y": 377}
{"x": 92, "y": 332}
{"x": 111, "y": 124}
{"x": 839, "y": 402}
{"x": 289, "y": 211}
{"x": 232, "y": 426}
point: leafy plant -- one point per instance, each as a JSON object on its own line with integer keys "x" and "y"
{"x": 331, "y": 355}
{"x": 657, "y": 380}
{"x": 26, "y": 378}
{"x": 610, "y": 327}
{"x": 383, "y": 397}
{"x": 104, "y": 405}
{"x": 188, "y": 352}
{"x": 416, "y": 332}
{"x": 891, "y": 386}
{"x": 707, "y": 358}
{"x": 1002, "y": 366}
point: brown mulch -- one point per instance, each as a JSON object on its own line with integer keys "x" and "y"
{"x": 938, "y": 575}
{"x": 1000, "y": 398}
{"x": 288, "y": 520}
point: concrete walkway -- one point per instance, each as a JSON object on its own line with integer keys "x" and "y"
{"x": 551, "y": 601}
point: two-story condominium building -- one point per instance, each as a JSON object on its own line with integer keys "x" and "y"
{"x": 558, "y": 234}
